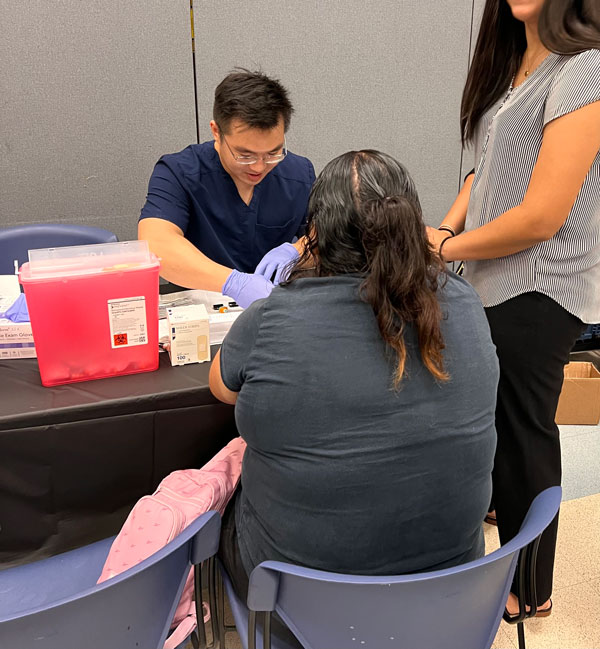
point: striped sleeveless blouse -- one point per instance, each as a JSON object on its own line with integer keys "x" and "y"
{"x": 566, "y": 268}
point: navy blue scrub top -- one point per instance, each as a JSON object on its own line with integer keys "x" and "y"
{"x": 192, "y": 190}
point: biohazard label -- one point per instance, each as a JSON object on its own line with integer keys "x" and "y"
{"x": 127, "y": 320}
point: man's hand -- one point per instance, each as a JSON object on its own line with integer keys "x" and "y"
{"x": 278, "y": 261}
{"x": 245, "y": 288}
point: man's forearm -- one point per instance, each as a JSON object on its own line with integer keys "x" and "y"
{"x": 194, "y": 270}
{"x": 182, "y": 263}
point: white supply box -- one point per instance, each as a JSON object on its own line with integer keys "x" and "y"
{"x": 189, "y": 340}
{"x": 220, "y": 324}
{"x": 16, "y": 340}
{"x": 222, "y": 312}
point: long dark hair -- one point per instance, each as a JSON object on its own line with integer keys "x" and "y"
{"x": 364, "y": 217}
{"x": 564, "y": 27}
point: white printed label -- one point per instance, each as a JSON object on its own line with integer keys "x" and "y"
{"x": 127, "y": 320}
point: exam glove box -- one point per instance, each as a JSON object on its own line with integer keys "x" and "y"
{"x": 189, "y": 335}
{"x": 16, "y": 340}
{"x": 93, "y": 310}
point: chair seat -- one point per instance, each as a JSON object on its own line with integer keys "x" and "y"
{"x": 453, "y": 608}
{"x": 134, "y": 609}
{"x": 43, "y": 582}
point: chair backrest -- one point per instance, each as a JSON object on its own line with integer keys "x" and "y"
{"x": 457, "y": 607}
{"x": 16, "y": 242}
{"x": 133, "y": 609}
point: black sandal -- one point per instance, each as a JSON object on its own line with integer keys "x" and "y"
{"x": 490, "y": 518}
{"x": 541, "y": 612}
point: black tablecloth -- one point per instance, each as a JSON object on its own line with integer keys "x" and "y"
{"x": 75, "y": 458}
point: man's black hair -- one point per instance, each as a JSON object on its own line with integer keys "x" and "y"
{"x": 252, "y": 98}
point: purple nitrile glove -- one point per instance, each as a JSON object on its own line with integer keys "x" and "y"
{"x": 17, "y": 311}
{"x": 278, "y": 261}
{"x": 245, "y": 288}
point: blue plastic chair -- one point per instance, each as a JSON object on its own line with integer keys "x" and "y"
{"x": 459, "y": 607}
{"x": 56, "y": 604}
{"x": 16, "y": 242}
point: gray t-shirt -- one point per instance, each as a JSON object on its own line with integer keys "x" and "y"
{"x": 342, "y": 472}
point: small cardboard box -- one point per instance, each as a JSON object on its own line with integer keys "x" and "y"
{"x": 189, "y": 336}
{"x": 16, "y": 340}
{"x": 579, "y": 401}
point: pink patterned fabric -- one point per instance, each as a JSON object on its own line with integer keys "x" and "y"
{"x": 157, "y": 519}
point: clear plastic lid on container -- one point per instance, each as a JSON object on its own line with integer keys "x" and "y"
{"x": 95, "y": 258}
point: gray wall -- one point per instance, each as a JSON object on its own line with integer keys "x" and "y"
{"x": 468, "y": 158}
{"x": 91, "y": 94}
{"x": 385, "y": 75}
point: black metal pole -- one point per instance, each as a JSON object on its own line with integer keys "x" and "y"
{"x": 194, "y": 71}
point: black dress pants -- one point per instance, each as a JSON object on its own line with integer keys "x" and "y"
{"x": 229, "y": 551}
{"x": 533, "y": 335}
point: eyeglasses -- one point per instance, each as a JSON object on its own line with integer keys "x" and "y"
{"x": 269, "y": 158}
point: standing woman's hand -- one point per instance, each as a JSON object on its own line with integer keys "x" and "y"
{"x": 437, "y": 237}
{"x": 570, "y": 144}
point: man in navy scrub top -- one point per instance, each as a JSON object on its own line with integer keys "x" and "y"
{"x": 215, "y": 210}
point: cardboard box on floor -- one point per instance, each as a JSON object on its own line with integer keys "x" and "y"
{"x": 579, "y": 401}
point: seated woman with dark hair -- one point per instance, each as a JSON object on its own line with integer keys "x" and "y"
{"x": 365, "y": 388}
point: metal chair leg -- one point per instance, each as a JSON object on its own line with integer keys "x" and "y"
{"x": 267, "y": 630}
{"x": 220, "y": 602}
{"x": 252, "y": 630}
{"x": 200, "y": 630}
{"x": 212, "y": 603}
{"x": 521, "y": 635}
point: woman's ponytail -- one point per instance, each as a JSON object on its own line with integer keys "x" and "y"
{"x": 402, "y": 280}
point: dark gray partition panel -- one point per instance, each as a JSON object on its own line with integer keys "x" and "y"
{"x": 91, "y": 95}
{"x": 381, "y": 74}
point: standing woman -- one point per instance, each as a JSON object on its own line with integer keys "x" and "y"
{"x": 527, "y": 223}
